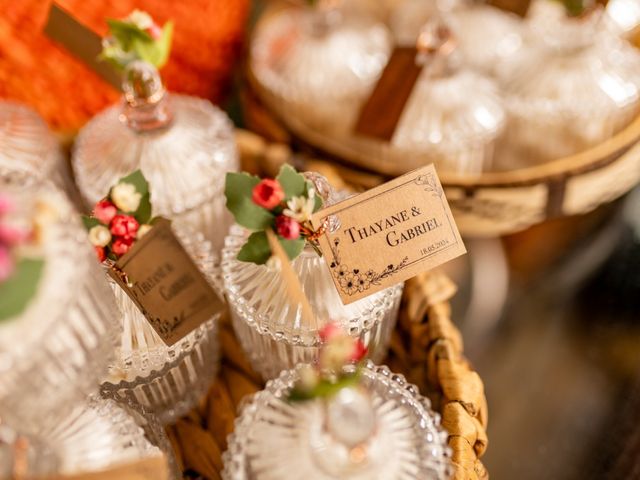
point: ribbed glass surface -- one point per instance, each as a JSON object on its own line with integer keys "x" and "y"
{"x": 270, "y": 327}
{"x": 167, "y": 381}
{"x": 587, "y": 91}
{"x": 318, "y": 65}
{"x": 184, "y": 162}
{"x": 27, "y": 145}
{"x": 56, "y": 351}
{"x": 273, "y": 438}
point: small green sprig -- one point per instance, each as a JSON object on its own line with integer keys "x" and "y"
{"x": 575, "y": 8}
{"x": 137, "y": 37}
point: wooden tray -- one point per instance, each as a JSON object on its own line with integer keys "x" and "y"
{"x": 426, "y": 347}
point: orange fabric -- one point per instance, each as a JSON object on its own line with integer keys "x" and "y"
{"x": 35, "y": 70}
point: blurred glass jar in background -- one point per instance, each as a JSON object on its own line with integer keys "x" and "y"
{"x": 27, "y": 145}
{"x": 578, "y": 86}
{"x": 183, "y": 145}
{"x": 56, "y": 348}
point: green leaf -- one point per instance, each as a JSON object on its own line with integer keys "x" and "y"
{"x": 143, "y": 213}
{"x": 137, "y": 180}
{"x": 238, "y": 189}
{"x": 325, "y": 388}
{"x": 292, "y": 247}
{"x": 256, "y": 250}
{"x": 90, "y": 222}
{"x": 292, "y": 182}
{"x": 16, "y": 291}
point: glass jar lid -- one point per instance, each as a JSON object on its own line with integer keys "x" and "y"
{"x": 273, "y": 437}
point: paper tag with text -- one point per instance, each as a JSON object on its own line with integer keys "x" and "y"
{"x": 388, "y": 234}
{"x": 166, "y": 285}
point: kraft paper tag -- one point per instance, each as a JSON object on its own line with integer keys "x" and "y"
{"x": 381, "y": 113}
{"x": 165, "y": 284}
{"x": 152, "y": 467}
{"x": 81, "y": 42}
{"x": 388, "y": 234}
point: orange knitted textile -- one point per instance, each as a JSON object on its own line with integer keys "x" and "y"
{"x": 35, "y": 70}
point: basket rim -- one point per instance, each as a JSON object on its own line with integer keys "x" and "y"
{"x": 592, "y": 159}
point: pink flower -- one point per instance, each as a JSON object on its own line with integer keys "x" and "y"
{"x": 154, "y": 31}
{"x": 329, "y": 331}
{"x": 124, "y": 226}
{"x": 359, "y": 351}
{"x": 6, "y": 264}
{"x": 267, "y": 194}
{"x": 6, "y": 204}
{"x": 287, "y": 227}
{"x": 120, "y": 246}
{"x": 13, "y": 235}
{"x": 104, "y": 211}
{"x": 100, "y": 253}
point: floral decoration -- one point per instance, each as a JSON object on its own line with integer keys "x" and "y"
{"x": 137, "y": 37}
{"x": 355, "y": 280}
{"x": 328, "y": 376}
{"x": 283, "y": 204}
{"x": 20, "y": 269}
{"x": 120, "y": 219}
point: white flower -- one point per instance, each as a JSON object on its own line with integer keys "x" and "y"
{"x": 99, "y": 236}
{"x": 336, "y": 353}
{"x": 301, "y": 208}
{"x": 273, "y": 264}
{"x": 308, "y": 377}
{"x": 140, "y": 19}
{"x": 125, "y": 197}
{"x": 143, "y": 230}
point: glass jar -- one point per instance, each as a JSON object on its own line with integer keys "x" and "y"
{"x": 183, "y": 145}
{"x": 165, "y": 380}
{"x": 271, "y": 329}
{"x": 453, "y": 117}
{"x": 96, "y": 435}
{"x": 588, "y": 90}
{"x": 272, "y": 437}
{"x": 316, "y": 65}
{"x": 27, "y": 144}
{"x": 56, "y": 350}
{"x": 489, "y": 39}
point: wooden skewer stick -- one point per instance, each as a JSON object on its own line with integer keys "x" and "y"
{"x": 291, "y": 280}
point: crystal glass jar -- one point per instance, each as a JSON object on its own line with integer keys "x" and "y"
{"x": 26, "y": 144}
{"x": 96, "y": 435}
{"x": 183, "y": 145}
{"x": 55, "y": 351}
{"x": 166, "y": 381}
{"x": 453, "y": 117}
{"x": 489, "y": 39}
{"x": 587, "y": 91}
{"x": 316, "y": 65}
{"x": 272, "y": 437}
{"x": 271, "y": 329}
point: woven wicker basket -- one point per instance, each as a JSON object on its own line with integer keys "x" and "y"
{"x": 426, "y": 347}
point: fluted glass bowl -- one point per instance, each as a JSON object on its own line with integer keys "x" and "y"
{"x": 57, "y": 349}
{"x": 96, "y": 435}
{"x": 27, "y": 144}
{"x": 273, "y": 438}
{"x": 166, "y": 381}
{"x": 184, "y": 162}
{"x": 318, "y": 66}
{"x": 270, "y": 327}
{"x": 588, "y": 90}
